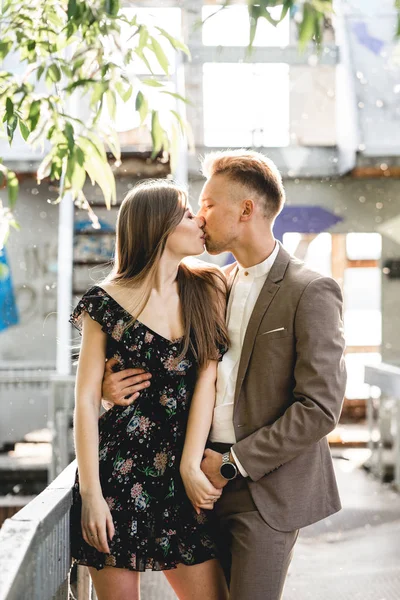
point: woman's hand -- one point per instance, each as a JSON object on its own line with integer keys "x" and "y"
{"x": 199, "y": 490}
{"x": 96, "y": 522}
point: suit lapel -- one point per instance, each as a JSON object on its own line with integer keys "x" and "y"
{"x": 267, "y": 294}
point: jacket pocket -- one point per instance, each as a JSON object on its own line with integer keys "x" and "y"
{"x": 274, "y": 334}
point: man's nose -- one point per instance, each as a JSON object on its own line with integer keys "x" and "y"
{"x": 200, "y": 221}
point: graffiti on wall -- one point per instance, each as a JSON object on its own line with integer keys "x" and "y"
{"x": 36, "y": 292}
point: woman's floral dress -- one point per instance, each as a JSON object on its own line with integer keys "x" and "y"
{"x": 140, "y": 448}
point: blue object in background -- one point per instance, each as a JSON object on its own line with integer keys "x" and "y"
{"x": 304, "y": 219}
{"x": 8, "y": 306}
{"x": 364, "y": 38}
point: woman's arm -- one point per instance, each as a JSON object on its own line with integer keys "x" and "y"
{"x": 96, "y": 517}
{"x": 198, "y": 487}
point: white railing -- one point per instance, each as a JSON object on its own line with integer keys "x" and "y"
{"x": 383, "y": 415}
{"x": 60, "y": 411}
{"x": 34, "y": 545}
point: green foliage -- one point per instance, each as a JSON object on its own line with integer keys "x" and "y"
{"x": 312, "y": 14}
{"x": 86, "y": 54}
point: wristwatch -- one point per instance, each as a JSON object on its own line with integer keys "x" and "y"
{"x": 228, "y": 469}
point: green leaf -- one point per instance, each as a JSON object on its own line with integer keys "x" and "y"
{"x": 69, "y": 134}
{"x": 323, "y": 6}
{"x": 11, "y": 127}
{"x": 160, "y": 55}
{"x": 112, "y": 7}
{"x": 156, "y": 133}
{"x": 307, "y": 25}
{"x": 142, "y": 106}
{"x": 67, "y": 71}
{"x": 175, "y": 43}
{"x": 79, "y": 155}
{"x": 112, "y": 141}
{"x": 143, "y": 37}
{"x": 177, "y": 96}
{"x": 9, "y": 109}
{"x": 45, "y": 167}
{"x": 124, "y": 93}
{"x": 69, "y": 171}
{"x": 180, "y": 121}
{"x": 53, "y": 73}
{"x": 254, "y": 15}
{"x": 5, "y": 47}
{"x": 12, "y": 188}
{"x": 78, "y": 177}
{"x": 80, "y": 82}
{"x": 111, "y": 104}
{"x": 99, "y": 172}
{"x": 34, "y": 114}
{"x": 96, "y": 146}
{"x": 286, "y": 6}
{"x": 71, "y": 9}
{"x": 24, "y": 130}
{"x": 77, "y": 64}
{"x": 152, "y": 82}
{"x": 143, "y": 58}
{"x": 40, "y": 72}
{"x": 99, "y": 89}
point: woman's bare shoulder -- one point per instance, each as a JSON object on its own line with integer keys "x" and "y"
{"x": 120, "y": 292}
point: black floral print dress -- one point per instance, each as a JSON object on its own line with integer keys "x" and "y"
{"x": 140, "y": 447}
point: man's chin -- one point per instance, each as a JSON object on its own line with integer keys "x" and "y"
{"x": 212, "y": 249}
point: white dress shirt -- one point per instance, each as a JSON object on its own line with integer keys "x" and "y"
{"x": 242, "y": 299}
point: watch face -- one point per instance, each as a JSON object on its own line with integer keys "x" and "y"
{"x": 228, "y": 470}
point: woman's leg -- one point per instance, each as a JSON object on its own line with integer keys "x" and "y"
{"x": 204, "y": 581}
{"x": 111, "y": 583}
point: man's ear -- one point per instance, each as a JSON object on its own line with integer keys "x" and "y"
{"x": 247, "y": 210}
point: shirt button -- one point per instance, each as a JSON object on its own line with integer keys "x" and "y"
{"x": 246, "y": 273}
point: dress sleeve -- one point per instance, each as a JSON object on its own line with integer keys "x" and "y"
{"x": 96, "y": 303}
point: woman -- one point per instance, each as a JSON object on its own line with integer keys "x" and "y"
{"x": 130, "y": 511}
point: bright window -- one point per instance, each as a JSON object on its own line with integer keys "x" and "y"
{"x": 355, "y": 363}
{"x": 246, "y": 104}
{"x": 362, "y": 300}
{"x": 230, "y": 27}
{"x": 363, "y": 246}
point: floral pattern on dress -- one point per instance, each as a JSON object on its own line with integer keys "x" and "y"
{"x": 140, "y": 447}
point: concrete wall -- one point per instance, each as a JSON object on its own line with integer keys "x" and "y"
{"x": 32, "y": 254}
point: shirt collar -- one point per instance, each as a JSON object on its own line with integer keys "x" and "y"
{"x": 263, "y": 268}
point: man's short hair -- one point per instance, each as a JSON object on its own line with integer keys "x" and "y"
{"x": 254, "y": 171}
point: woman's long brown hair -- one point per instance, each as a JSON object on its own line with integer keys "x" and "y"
{"x": 148, "y": 215}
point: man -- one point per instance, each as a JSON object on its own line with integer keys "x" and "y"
{"x": 280, "y": 386}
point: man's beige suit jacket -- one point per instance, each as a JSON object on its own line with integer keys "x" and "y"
{"x": 289, "y": 393}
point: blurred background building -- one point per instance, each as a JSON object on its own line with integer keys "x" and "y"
{"x": 330, "y": 120}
